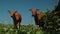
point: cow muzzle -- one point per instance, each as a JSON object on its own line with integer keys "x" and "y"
{"x": 11, "y": 16}
{"x": 32, "y": 15}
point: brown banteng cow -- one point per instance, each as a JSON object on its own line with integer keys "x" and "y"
{"x": 37, "y": 17}
{"x": 16, "y": 18}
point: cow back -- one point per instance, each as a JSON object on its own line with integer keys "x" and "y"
{"x": 18, "y": 16}
{"x": 39, "y": 14}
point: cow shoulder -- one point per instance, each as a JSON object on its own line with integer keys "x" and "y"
{"x": 39, "y": 15}
{"x": 18, "y": 16}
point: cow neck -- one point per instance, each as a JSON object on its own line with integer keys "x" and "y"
{"x": 36, "y": 16}
{"x": 14, "y": 18}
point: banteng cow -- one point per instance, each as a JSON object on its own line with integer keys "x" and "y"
{"x": 37, "y": 17}
{"x": 16, "y": 18}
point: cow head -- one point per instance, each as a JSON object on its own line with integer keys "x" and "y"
{"x": 34, "y": 11}
{"x": 12, "y": 13}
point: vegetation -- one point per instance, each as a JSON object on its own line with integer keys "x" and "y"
{"x": 52, "y": 22}
{"x": 51, "y": 26}
{"x": 25, "y": 29}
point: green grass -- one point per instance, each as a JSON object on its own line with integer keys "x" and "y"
{"x": 24, "y": 29}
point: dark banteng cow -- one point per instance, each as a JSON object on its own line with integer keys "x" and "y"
{"x": 16, "y": 18}
{"x": 37, "y": 17}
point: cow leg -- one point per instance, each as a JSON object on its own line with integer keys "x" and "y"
{"x": 37, "y": 26}
{"x": 41, "y": 25}
{"x": 18, "y": 25}
{"x": 14, "y": 26}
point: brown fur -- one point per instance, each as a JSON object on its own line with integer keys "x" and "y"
{"x": 16, "y": 18}
{"x": 37, "y": 17}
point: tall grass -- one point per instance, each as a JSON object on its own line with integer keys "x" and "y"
{"x": 24, "y": 29}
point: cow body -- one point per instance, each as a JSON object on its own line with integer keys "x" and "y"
{"x": 16, "y": 18}
{"x": 37, "y": 17}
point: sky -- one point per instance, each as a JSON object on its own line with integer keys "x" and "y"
{"x": 23, "y": 6}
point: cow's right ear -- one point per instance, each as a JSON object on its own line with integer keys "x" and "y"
{"x": 9, "y": 11}
{"x": 30, "y": 9}
{"x": 37, "y": 9}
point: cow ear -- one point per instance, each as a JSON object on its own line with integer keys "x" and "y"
{"x": 9, "y": 11}
{"x": 15, "y": 11}
{"x": 37, "y": 9}
{"x": 30, "y": 9}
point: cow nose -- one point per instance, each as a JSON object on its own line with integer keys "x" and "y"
{"x": 32, "y": 15}
{"x": 11, "y": 16}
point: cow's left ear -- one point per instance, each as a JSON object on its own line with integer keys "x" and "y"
{"x": 15, "y": 11}
{"x": 37, "y": 9}
{"x": 30, "y": 9}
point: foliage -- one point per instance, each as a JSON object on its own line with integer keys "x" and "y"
{"x": 51, "y": 26}
{"x": 25, "y": 29}
{"x": 52, "y": 22}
